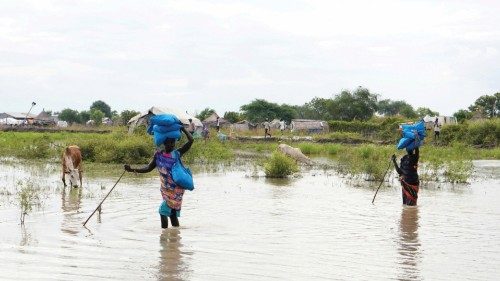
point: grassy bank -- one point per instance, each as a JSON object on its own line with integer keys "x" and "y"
{"x": 451, "y": 162}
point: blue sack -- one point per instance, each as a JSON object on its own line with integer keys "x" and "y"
{"x": 403, "y": 142}
{"x": 163, "y": 127}
{"x": 166, "y": 120}
{"x": 181, "y": 175}
{"x": 413, "y": 136}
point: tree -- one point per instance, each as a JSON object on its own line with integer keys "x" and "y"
{"x": 359, "y": 105}
{"x": 102, "y": 106}
{"x": 232, "y": 116}
{"x": 126, "y": 115}
{"x": 84, "y": 116}
{"x": 287, "y": 112}
{"x": 97, "y": 116}
{"x": 489, "y": 105}
{"x": 69, "y": 115}
{"x": 318, "y": 108}
{"x": 205, "y": 113}
{"x": 260, "y": 110}
{"x": 423, "y": 111}
{"x": 462, "y": 115}
{"x": 388, "y": 107}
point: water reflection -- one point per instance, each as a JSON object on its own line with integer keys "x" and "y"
{"x": 70, "y": 205}
{"x": 172, "y": 265}
{"x": 409, "y": 244}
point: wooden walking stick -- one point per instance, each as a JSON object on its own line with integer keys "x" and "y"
{"x": 390, "y": 163}
{"x": 99, "y": 206}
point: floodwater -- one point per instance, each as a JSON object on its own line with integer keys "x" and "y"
{"x": 235, "y": 226}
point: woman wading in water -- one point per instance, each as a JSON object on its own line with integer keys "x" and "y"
{"x": 171, "y": 193}
{"x": 408, "y": 176}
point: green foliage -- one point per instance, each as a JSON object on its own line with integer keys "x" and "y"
{"x": 101, "y": 106}
{"x": 233, "y": 117}
{"x": 126, "y": 115}
{"x": 485, "y": 133}
{"x": 259, "y": 110}
{"x": 310, "y": 148}
{"x": 358, "y": 105}
{"x": 280, "y": 166}
{"x": 97, "y": 115}
{"x": 84, "y": 116}
{"x": 423, "y": 111}
{"x": 458, "y": 171}
{"x": 28, "y": 197}
{"x": 205, "y": 113}
{"x": 489, "y": 105}
{"x": 462, "y": 115}
{"x": 369, "y": 160}
{"x": 388, "y": 107}
{"x": 69, "y": 115}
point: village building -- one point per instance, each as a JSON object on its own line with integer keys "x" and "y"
{"x": 309, "y": 126}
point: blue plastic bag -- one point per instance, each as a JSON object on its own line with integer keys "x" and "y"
{"x": 181, "y": 175}
{"x": 413, "y": 136}
{"x": 403, "y": 142}
{"x": 163, "y": 127}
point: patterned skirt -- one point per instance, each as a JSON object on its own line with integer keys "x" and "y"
{"x": 409, "y": 192}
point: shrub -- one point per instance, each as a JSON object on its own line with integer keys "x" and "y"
{"x": 28, "y": 196}
{"x": 280, "y": 166}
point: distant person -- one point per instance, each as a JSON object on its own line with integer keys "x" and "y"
{"x": 437, "y": 130}
{"x": 267, "y": 129}
{"x": 408, "y": 176}
{"x": 171, "y": 193}
{"x": 205, "y": 133}
{"x": 217, "y": 124}
{"x": 282, "y": 125}
{"x": 191, "y": 127}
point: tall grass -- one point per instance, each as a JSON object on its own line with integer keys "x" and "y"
{"x": 28, "y": 197}
{"x": 280, "y": 166}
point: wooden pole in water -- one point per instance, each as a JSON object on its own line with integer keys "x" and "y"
{"x": 390, "y": 163}
{"x": 99, "y": 206}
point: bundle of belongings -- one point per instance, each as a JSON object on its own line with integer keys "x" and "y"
{"x": 164, "y": 126}
{"x": 412, "y": 136}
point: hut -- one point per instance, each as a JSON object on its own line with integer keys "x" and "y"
{"x": 309, "y": 126}
{"x": 211, "y": 121}
{"x": 44, "y": 119}
{"x": 243, "y": 126}
{"x": 143, "y": 118}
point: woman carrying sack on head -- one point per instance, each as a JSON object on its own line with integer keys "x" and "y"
{"x": 167, "y": 129}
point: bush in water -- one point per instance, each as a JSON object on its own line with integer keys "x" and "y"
{"x": 280, "y": 166}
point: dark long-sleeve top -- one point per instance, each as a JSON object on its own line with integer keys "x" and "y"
{"x": 408, "y": 167}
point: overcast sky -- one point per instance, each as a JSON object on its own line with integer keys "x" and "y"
{"x": 223, "y": 54}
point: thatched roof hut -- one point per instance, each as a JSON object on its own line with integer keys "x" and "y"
{"x": 211, "y": 121}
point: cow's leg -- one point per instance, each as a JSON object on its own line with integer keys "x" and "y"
{"x": 63, "y": 179}
{"x": 80, "y": 173}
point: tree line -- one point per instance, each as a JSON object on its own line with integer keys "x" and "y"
{"x": 359, "y": 104}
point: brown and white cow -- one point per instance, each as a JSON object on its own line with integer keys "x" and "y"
{"x": 72, "y": 165}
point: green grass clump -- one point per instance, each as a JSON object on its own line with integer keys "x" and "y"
{"x": 280, "y": 166}
{"x": 28, "y": 197}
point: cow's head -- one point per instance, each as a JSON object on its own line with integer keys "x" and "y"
{"x": 74, "y": 177}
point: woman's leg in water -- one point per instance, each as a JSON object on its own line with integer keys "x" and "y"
{"x": 164, "y": 221}
{"x": 173, "y": 218}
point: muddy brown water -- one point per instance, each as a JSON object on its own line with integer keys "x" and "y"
{"x": 319, "y": 226}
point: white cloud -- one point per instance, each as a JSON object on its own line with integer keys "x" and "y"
{"x": 222, "y": 54}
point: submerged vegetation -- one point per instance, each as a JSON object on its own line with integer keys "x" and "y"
{"x": 28, "y": 197}
{"x": 280, "y": 166}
